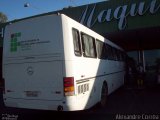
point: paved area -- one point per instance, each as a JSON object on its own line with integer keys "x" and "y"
{"x": 143, "y": 101}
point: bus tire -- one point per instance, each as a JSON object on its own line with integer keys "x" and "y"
{"x": 104, "y": 95}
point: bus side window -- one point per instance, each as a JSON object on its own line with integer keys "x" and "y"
{"x": 76, "y": 41}
{"x": 118, "y": 54}
{"x": 121, "y": 55}
{"x": 89, "y": 48}
{"x": 115, "y": 57}
{"x": 110, "y": 52}
{"x": 101, "y": 50}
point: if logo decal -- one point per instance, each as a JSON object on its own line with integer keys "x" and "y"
{"x": 14, "y": 42}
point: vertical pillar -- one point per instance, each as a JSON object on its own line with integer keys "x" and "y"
{"x": 141, "y": 59}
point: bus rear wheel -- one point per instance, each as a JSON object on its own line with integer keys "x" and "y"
{"x": 104, "y": 94}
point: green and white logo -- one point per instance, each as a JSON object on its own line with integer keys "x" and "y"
{"x": 14, "y": 41}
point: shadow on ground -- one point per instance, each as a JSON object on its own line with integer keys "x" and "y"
{"x": 133, "y": 100}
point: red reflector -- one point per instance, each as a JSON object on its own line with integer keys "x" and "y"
{"x": 68, "y": 81}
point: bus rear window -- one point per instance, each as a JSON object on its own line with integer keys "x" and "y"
{"x": 76, "y": 41}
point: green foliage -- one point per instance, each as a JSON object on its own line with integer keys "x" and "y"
{"x": 3, "y": 18}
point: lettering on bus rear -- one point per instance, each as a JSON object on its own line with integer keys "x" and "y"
{"x": 16, "y": 42}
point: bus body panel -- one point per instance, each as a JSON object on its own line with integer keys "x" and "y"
{"x": 34, "y": 80}
{"x": 33, "y": 60}
{"x": 91, "y": 72}
{"x": 53, "y": 62}
{"x": 33, "y": 37}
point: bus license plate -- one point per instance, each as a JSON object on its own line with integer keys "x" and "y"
{"x": 32, "y": 93}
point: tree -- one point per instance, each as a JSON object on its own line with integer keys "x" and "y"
{"x": 3, "y": 18}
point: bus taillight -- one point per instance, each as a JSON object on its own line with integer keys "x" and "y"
{"x": 68, "y": 86}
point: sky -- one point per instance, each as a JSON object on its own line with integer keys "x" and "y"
{"x": 14, "y": 9}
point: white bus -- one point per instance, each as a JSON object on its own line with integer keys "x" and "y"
{"x": 52, "y": 62}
